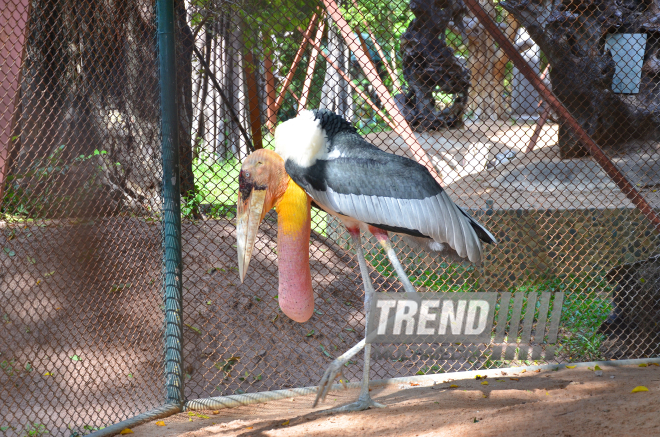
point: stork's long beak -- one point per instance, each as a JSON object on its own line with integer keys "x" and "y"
{"x": 249, "y": 215}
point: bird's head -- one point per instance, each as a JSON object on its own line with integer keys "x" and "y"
{"x": 264, "y": 184}
{"x": 261, "y": 182}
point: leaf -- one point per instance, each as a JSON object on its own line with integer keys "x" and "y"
{"x": 484, "y": 396}
{"x": 126, "y": 431}
{"x": 639, "y": 388}
{"x": 285, "y": 423}
{"x": 642, "y": 365}
{"x": 160, "y": 423}
{"x": 9, "y": 252}
{"x": 31, "y": 260}
{"x": 414, "y": 384}
{"x": 259, "y": 377}
{"x": 500, "y": 380}
{"x": 227, "y": 364}
{"x": 523, "y": 371}
{"x": 654, "y": 364}
{"x": 119, "y": 287}
{"x": 76, "y": 358}
{"x": 320, "y": 313}
{"x": 484, "y": 382}
{"x": 249, "y": 427}
{"x": 571, "y": 367}
{"x": 48, "y": 374}
{"x": 209, "y": 302}
{"x": 310, "y": 333}
{"x": 197, "y": 330}
{"x": 47, "y": 274}
{"x": 453, "y": 386}
{"x": 597, "y": 367}
{"x": 215, "y": 412}
{"x": 325, "y": 352}
{"x": 514, "y": 379}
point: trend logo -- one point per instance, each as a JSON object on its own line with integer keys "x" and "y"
{"x": 469, "y": 318}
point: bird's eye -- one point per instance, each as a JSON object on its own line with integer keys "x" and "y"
{"x": 247, "y": 174}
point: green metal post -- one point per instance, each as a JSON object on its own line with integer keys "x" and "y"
{"x": 171, "y": 205}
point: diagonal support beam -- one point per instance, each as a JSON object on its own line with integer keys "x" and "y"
{"x": 294, "y": 66}
{"x": 601, "y": 158}
{"x": 367, "y": 26}
{"x": 352, "y": 85}
{"x": 402, "y": 126}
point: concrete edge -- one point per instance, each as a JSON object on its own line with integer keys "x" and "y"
{"x": 157, "y": 413}
{"x": 232, "y": 401}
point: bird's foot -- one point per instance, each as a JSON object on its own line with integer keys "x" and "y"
{"x": 363, "y": 403}
{"x": 334, "y": 369}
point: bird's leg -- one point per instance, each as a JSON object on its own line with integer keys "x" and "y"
{"x": 384, "y": 241}
{"x": 364, "y": 400}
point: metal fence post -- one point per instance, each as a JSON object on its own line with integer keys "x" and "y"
{"x": 171, "y": 205}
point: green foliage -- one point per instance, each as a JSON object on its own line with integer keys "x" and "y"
{"x": 34, "y": 429}
{"x": 38, "y": 191}
{"x": 216, "y": 183}
{"x": 445, "y": 278}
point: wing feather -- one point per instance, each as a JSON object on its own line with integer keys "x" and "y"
{"x": 381, "y": 189}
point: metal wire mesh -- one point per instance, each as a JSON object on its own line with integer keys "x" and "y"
{"x": 81, "y": 331}
{"x": 81, "y": 343}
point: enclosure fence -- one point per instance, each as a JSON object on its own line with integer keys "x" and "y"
{"x": 123, "y": 125}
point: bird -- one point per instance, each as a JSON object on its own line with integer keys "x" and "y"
{"x": 320, "y": 159}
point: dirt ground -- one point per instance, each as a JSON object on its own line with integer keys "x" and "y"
{"x": 566, "y": 402}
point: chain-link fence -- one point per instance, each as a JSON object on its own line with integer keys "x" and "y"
{"x": 82, "y": 318}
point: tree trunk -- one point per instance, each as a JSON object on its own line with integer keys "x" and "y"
{"x": 204, "y": 88}
{"x": 336, "y": 95}
{"x": 184, "y": 47}
{"x": 230, "y": 140}
{"x": 90, "y": 83}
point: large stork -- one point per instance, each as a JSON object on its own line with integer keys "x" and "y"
{"x": 320, "y": 157}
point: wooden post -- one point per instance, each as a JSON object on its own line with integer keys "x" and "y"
{"x": 541, "y": 121}
{"x": 250, "y": 69}
{"x": 13, "y": 29}
{"x": 294, "y": 65}
{"x": 311, "y": 66}
{"x": 271, "y": 115}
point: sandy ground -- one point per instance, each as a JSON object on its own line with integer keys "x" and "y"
{"x": 566, "y": 402}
